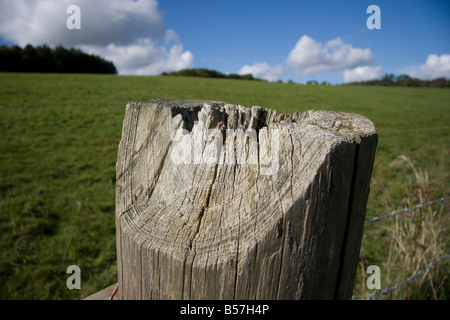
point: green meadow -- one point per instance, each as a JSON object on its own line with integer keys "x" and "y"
{"x": 58, "y": 149}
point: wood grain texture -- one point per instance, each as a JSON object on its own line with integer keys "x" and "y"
{"x": 217, "y": 201}
{"x": 109, "y": 293}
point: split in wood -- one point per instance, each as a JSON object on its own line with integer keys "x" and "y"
{"x": 217, "y": 201}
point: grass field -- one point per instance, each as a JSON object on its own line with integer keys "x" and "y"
{"x": 58, "y": 148}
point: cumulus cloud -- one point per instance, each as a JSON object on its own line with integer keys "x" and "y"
{"x": 144, "y": 57}
{"x": 310, "y": 57}
{"x": 363, "y": 73}
{"x": 130, "y": 33}
{"x": 263, "y": 71}
{"x": 435, "y": 67}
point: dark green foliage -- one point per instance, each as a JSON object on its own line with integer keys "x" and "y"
{"x": 404, "y": 80}
{"x": 206, "y": 73}
{"x": 58, "y": 60}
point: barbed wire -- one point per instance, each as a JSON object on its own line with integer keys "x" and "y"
{"x": 429, "y": 266}
{"x": 394, "y": 213}
{"x": 389, "y": 290}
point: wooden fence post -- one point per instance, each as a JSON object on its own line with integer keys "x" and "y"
{"x": 217, "y": 201}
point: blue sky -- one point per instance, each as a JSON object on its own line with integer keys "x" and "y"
{"x": 284, "y": 39}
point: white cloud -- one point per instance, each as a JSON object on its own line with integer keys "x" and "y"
{"x": 144, "y": 57}
{"x": 363, "y": 73}
{"x": 310, "y": 57}
{"x": 435, "y": 67}
{"x": 102, "y": 21}
{"x": 130, "y": 33}
{"x": 263, "y": 71}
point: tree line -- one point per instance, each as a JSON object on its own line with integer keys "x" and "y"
{"x": 390, "y": 80}
{"x": 57, "y": 60}
{"x": 404, "y": 80}
{"x": 206, "y": 73}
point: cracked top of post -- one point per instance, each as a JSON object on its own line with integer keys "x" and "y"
{"x": 350, "y": 125}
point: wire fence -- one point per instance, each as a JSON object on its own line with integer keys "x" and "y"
{"x": 394, "y": 213}
{"x": 389, "y": 290}
{"x": 429, "y": 266}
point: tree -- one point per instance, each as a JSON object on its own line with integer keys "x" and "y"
{"x": 405, "y": 80}
{"x": 45, "y": 59}
{"x": 388, "y": 80}
{"x": 206, "y": 73}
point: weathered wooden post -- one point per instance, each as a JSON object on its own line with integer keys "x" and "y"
{"x": 217, "y": 201}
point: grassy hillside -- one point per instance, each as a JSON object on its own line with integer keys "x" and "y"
{"x": 58, "y": 148}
